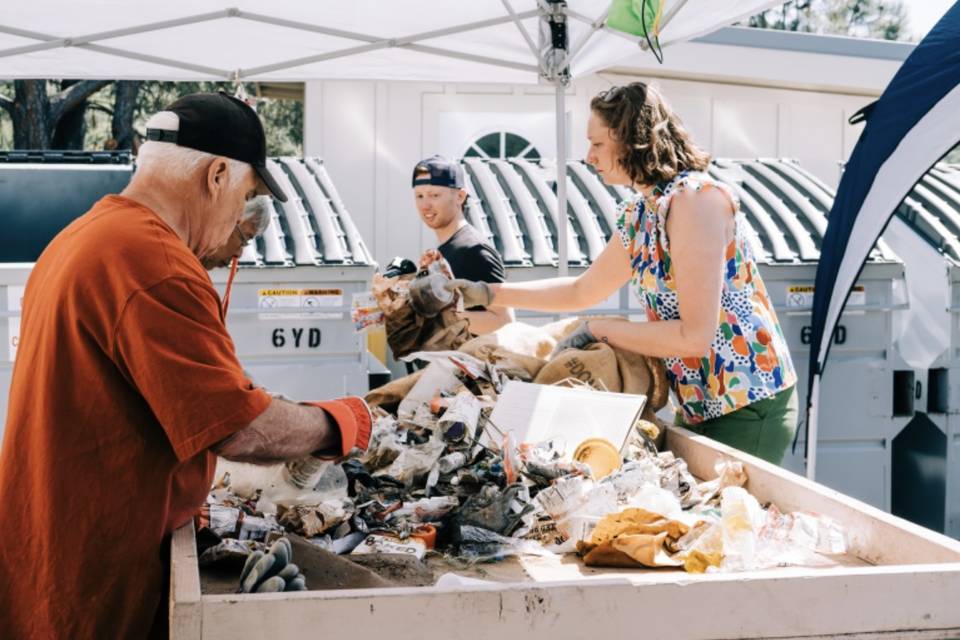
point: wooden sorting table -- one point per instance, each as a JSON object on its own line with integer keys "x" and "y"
{"x": 900, "y": 581}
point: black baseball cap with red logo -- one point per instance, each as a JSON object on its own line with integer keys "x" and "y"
{"x": 221, "y": 125}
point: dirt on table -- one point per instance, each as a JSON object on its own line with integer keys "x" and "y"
{"x": 326, "y": 571}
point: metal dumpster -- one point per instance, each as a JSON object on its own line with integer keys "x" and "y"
{"x": 290, "y": 310}
{"x": 290, "y": 305}
{"x": 868, "y": 391}
{"x": 926, "y": 453}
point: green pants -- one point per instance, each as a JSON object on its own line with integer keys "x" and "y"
{"x": 764, "y": 429}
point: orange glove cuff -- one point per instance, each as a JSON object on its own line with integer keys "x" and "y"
{"x": 353, "y": 418}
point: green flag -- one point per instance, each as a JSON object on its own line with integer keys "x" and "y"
{"x": 638, "y": 18}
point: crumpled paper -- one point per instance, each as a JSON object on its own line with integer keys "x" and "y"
{"x": 633, "y": 538}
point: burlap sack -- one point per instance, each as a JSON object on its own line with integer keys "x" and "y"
{"x": 596, "y": 366}
{"x": 523, "y": 351}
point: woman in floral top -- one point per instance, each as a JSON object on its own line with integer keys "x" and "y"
{"x": 681, "y": 244}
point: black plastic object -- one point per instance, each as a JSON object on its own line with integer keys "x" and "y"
{"x": 41, "y": 192}
{"x": 400, "y": 267}
{"x": 919, "y": 473}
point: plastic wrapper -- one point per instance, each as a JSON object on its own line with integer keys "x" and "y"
{"x": 654, "y": 499}
{"x": 311, "y": 520}
{"x": 428, "y": 509}
{"x": 545, "y": 462}
{"x": 414, "y": 462}
{"x": 565, "y": 495}
{"x": 382, "y": 543}
{"x": 390, "y": 294}
{"x": 464, "y": 409}
{"x": 365, "y": 313}
{"x": 740, "y": 521}
{"x": 228, "y": 551}
{"x": 730, "y": 473}
{"x": 384, "y": 446}
{"x": 437, "y": 378}
{"x": 498, "y": 510}
{"x": 254, "y": 528}
{"x": 482, "y": 545}
{"x": 634, "y": 476}
{"x": 676, "y": 478}
{"x": 222, "y": 520}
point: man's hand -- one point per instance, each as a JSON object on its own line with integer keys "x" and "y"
{"x": 475, "y": 294}
{"x": 580, "y": 338}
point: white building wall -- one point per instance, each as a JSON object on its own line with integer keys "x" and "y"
{"x": 370, "y": 134}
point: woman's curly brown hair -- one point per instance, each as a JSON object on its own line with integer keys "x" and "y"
{"x": 654, "y": 146}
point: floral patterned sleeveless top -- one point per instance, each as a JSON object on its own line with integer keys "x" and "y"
{"x": 748, "y": 359}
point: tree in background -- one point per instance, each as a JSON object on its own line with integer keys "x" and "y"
{"x": 884, "y": 19}
{"x": 42, "y": 114}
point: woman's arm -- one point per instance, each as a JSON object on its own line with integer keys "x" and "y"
{"x": 606, "y": 275}
{"x": 700, "y": 226}
{"x": 488, "y": 320}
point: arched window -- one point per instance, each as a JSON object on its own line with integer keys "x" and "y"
{"x": 502, "y": 144}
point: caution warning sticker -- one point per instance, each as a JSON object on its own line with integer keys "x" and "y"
{"x": 298, "y": 303}
{"x": 801, "y": 295}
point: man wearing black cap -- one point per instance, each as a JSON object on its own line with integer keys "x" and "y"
{"x": 438, "y": 189}
{"x": 126, "y": 383}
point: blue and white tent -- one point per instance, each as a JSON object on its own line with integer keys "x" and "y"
{"x": 914, "y": 123}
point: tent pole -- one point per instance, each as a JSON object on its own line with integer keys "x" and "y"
{"x": 813, "y": 403}
{"x": 562, "y": 221}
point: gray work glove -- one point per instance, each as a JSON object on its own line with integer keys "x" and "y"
{"x": 580, "y": 338}
{"x": 475, "y": 294}
{"x": 272, "y": 571}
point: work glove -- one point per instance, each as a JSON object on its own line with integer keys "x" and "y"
{"x": 354, "y": 420}
{"x": 475, "y": 294}
{"x": 272, "y": 571}
{"x": 579, "y": 339}
{"x": 429, "y": 295}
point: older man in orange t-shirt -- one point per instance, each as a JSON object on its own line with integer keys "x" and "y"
{"x": 126, "y": 384}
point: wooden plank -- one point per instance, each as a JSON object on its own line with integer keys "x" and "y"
{"x": 185, "y": 602}
{"x": 874, "y": 535}
{"x": 887, "y": 602}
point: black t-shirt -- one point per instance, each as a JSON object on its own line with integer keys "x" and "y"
{"x": 471, "y": 258}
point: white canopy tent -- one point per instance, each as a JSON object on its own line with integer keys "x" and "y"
{"x": 504, "y": 41}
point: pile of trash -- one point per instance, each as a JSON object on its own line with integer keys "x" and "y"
{"x": 439, "y": 477}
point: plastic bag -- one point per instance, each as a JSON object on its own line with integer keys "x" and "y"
{"x": 740, "y": 521}
{"x": 415, "y": 461}
{"x": 482, "y": 545}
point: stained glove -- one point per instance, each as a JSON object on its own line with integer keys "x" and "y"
{"x": 272, "y": 571}
{"x": 475, "y": 294}
{"x": 580, "y": 338}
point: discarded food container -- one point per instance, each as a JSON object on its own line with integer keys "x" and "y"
{"x": 600, "y": 455}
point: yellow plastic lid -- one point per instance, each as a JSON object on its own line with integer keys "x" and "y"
{"x": 600, "y": 455}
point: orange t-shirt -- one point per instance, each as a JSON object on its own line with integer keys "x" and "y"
{"x": 125, "y": 376}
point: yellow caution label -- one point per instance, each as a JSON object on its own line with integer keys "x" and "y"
{"x": 278, "y": 292}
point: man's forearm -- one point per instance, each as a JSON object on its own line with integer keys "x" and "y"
{"x": 285, "y": 431}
